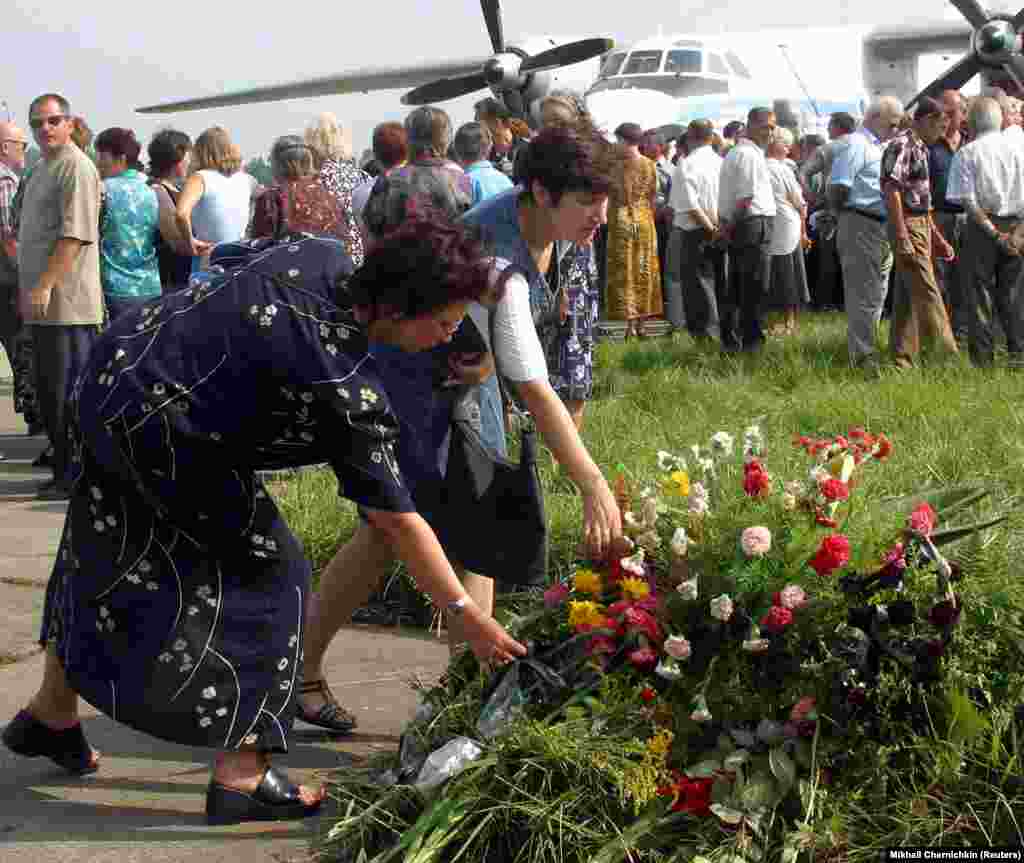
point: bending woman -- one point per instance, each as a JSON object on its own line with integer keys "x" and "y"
{"x": 177, "y": 602}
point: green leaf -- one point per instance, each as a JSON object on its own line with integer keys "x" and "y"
{"x": 722, "y": 790}
{"x": 952, "y": 534}
{"x": 703, "y": 769}
{"x": 737, "y": 759}
{"x": 783, "y": 768}
{"x": 802, "y": 753}
{"x": 732, "y": 817}
{"x": 965, "y": 722}
{"x": 760, "y": 792}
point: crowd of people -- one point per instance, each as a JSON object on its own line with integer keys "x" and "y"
{"x": 176, "y": 329}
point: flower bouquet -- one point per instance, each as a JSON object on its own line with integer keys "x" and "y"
{"x": 768, "y": 650}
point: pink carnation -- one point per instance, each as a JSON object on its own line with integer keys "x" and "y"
{"x": 756, "y": 541}
{"x": 793, "y": 597}
{"x": 922, "y": 519}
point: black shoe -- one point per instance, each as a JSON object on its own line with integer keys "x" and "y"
{"x": 276, "y": 799}
{"x": 26, "y": 735}
{"x": 44, "y": 459}
{"x": 331, "y": 714}
{"x": 53, "y": 490}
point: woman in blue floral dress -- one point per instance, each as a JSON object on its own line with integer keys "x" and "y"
{"x": 176, "y": 605}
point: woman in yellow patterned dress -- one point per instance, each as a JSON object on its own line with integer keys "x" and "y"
{"x": 634, "y": 277}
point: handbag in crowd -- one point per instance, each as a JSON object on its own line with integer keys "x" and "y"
{"x": 489, "y": 511}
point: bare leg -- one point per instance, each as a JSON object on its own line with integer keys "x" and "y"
{"x": 244, "y": 769}
{"x": 346, "y": 584}
{"x": 56, "y": 703}
{"x": 790, "y": 320}
{"x": 575, "y": 408}
{"x": 481, "y": 590}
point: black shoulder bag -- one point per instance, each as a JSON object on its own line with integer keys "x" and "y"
{"x": 489, "y": 513}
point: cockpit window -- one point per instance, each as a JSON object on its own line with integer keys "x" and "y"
{"x": 716, "y": 65}
{"x": 737, "y": 64}
{"x": 612, "y": 64}
{"x": 683, "y": 63}
{"x": 643, "y": 63}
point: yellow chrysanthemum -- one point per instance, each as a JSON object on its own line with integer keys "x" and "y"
{"x": 586, "y": 581}
{"x": 585, "y": 614}
{"x": 677, "y": 484}
{"x": 659, "y": 745}
{"x": 634, "y": 588}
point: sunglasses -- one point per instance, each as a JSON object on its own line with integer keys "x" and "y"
{"x": 53, "y": 122}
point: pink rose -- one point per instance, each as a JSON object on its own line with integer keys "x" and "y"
{"x": 793, "y": 597}
{"x": 677, "y": 647}
{"x": 756, "y": 541}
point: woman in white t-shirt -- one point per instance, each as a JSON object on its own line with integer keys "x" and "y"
{"x": 214, "y": 205}
{"x": 787, "y": 276}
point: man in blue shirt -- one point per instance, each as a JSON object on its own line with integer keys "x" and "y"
{"x": 472, "y": 144}
{"x": 863, "y": 244}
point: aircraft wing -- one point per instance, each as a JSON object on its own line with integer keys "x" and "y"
{"x": 356, "y": 81}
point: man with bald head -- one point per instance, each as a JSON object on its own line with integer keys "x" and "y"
{"x": 13, "y": 146}
{"x": 949, "y": 215}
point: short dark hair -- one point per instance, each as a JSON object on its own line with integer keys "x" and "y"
{"x": 472, "y": 142}
{"x": 844, "y": 121}
{"x": 927, "y": 107}
{"x": 491, "y": 109}
{"x": 631, "y": 133}
{"x": 428, "y": 262}
{"x": 65, "y": 105}
{"x": 166, "y": 148}
{"x": 732, "y": 129}
{"x": 757, "y": 115}
{"x": 120, "y": 143}
{"x": 701, "y": 130}
{"x": 390, "y": 145}
{"x": 651, "y": 144}
{"x": 812, "y": 140}
{"x": 573, "y": 158}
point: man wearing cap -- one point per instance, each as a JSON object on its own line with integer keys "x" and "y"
{"x": 695, "y": 275}
{"x": 13, "y": 145}
{"x": 918, "y": 311}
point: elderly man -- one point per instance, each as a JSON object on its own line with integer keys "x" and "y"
{"x": 59, "y": 271}
{"x": 746, "y": 205}
{"x": 918, "y": 312}
{"x": 828, "y": 279}
{"x": 864, "y": 251}
{"x": 13, "y": 336}
{"x": 948, "y": 215}
{"x": 987, "y": 178}
{"x": 472, "y": 144}
{"x": 696, "y": 263}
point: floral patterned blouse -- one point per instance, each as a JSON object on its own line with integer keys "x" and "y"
{"x": 129, "y": 226}
{"x": 340, "y": 178}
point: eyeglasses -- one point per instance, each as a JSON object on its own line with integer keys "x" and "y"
{"x": 53, "y": 122}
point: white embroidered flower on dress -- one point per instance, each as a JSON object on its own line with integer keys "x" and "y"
{"x": 166, "y": 657}
{"x": 222, "y": 711}
{"x": 111, "y": 521}
{"x": 206, "y": 722}
{"x": 331, "y": 349}
{"x": 159, "y": 390}
{"x": 152, "y": 585}
{"x": 120, "y": 355}
{"x": 193, "y": 610}
{"x": 209, "y": 693}
{"x": 145, "y": 566}
{"x": 96, "y": 493}
{"x": 270, "y": 545}
{"x": 180, "y": 644}
{"x": 293, "y": 640}
{"x": 250, "y": 739}
{"x": 258, "y": 539}
{"x": 99, "y": 526}
{"x": 325, "y": 331}
{"x": 134, "y": 578}
{"x": 282, "y": 664}
{"x": 368, "y": 395}
{"x": 344, "y": 393}
{"x": 293, "y": 273}
{"x": 203, "y": 591}
{"x": 307, "y": 397}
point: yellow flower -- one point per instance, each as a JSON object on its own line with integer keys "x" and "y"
{"x": 658, "y": 746}
{"x": 586, "y": 581}
{"x": 585, "y": 614}
{"x": 634, "y": 588}
{"x": 677, "y": 484}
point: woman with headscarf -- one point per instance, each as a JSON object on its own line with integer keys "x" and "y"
{"x": 178, "y": 597}
{"x": 634, "y": 275}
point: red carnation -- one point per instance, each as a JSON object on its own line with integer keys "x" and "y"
{"x": 756, "y": 481}
{"x": 834, "y": 489}
{"x": 691, "y": 795}
{"x": 648, "y": 695}
{"x": 922, "y": 519}
{"x": 883, "y": 447}
{"x": 639, "y": 620}
{"x": 833, "y": 553}
{"x": 777, "y": 619}
{"x": 857, "y": 432}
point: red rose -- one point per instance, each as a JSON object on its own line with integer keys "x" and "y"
{"x": 922, "y": 519}
{"x": 833, "y": 553}
{"x": 756, "y": 481}
{"x": 648, "y": 695}
{"x": 636, "y": 619}
{"x": 834, "y": 489}
{"x": 777, "y": 619}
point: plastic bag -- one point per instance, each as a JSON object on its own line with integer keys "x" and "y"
{"x": 448, "y": 761}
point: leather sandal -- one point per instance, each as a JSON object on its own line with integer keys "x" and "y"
{"x": 26, "y": 735}
{"x": 275, "y": 799}
{"x": 331, "y": 715}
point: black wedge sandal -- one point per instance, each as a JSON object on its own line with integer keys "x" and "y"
{"x": 275, "y": 799}
{"x": 331, "y": 715}
{"x": 26, "y": 735}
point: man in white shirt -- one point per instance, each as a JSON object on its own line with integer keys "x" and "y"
{"x": 746, "y": 206}
{"x": 696, "y": 268}
{"x": 987, "y": 178}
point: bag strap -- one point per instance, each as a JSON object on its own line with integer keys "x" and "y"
{"x": 507, "y": 397}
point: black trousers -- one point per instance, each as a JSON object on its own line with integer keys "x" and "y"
{"x": 702, "y": 275}
{"x": 740, "y": 308}
{"x": 61, "y": 353}
{"x": 993, "y": 292}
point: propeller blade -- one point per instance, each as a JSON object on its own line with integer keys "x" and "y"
{"x": 492, "y": 18}
{"x": 566, "y": 55}
{"x": 952, "y": 79}
{"x": 1015, "y": 69}
{"x": 444, "y": 89}
{"x": 972, "y": 11}
{"x": 1018, "y": 21}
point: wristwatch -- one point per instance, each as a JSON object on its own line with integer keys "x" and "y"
{"x": 457, "y": 606}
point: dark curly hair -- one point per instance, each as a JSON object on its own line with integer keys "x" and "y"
{"x": 167, "y": 148}
{"x": 119, "y": 143}
{"x": 568, "y": 158}
{"x": 425, "y": 264}
{"x": 390, "y": 145}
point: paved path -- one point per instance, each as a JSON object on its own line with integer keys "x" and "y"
{"x": 146, "y": 802}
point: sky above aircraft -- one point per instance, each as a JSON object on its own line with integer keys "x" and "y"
{"x": 107, "y": 61}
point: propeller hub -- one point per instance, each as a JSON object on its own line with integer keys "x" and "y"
{"x": 995, "y": 41}
{"x": 502, "y": 71}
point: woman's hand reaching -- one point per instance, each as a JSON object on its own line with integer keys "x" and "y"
{"x": 487, "y": 638}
